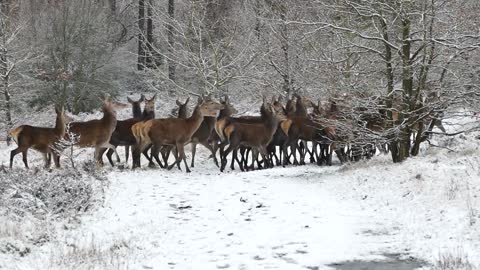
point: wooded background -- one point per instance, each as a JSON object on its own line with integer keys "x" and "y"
{"x": 410, "y": 57}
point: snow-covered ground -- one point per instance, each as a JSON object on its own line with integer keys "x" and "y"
{"x": 304, "y": 217}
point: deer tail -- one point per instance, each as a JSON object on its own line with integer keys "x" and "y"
{"x": 136, "y": 133}
{"x": 14, "y": 133}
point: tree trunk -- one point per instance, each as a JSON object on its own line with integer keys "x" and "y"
{"x": 171, "y": 40}
{"x": 287, "y": 80}
{"x": 113, "y": 7}
{"x": 4, "y": 66}
{"x": 150, "y": 51}
{"x": 141, "y": 35}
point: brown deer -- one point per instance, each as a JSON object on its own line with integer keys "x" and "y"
{"x": 181, "y": 112}
{"x": 175, "y": 131}
{"x": 302, "y": 127}
{"x": 136, "y": 113}
{"x": 96, "y": 133}
{"x": 39, "y": 138}
{"x": 226, "y": 120}
{"x": 257, "y": 136}
{"x": 279, "y": 138}
{"x": 122, "y": 135}
{"x": 202, "y": 136}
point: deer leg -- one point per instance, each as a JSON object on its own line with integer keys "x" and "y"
{"x": 264, "y": 152}
{"x": 109, "y": 155}
{"x": 56, "y": 159}
{"x": 194, "y": 150}
{"x": 224, "y": 158}
{"x": 46, "y": 158}
{"x": 293, "y": 148}
{"x": 212, "y": 150}
{"x": 285, "y": 157}
{"x": 114, "y": 148}
{"x": 24, "y": 157}
{"x": 303, "y": 151}
{"x": 98, "y": 158}
{"x": 155, "y": 151}
{"x": 116, "y": 155}
{"x": 136, "y": 152}
{"x": 239, "y": 160}
{"x": 255, "y": 158}
{"x": 165, "y": 150}
{"x": 127, "y": 153}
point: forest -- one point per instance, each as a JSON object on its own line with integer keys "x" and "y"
{"x": 378, "y": 100}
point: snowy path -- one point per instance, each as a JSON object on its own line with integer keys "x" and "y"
{"x": 275, "y": 219}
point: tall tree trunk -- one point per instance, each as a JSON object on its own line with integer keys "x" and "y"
{"x": 113, "y": 7}
{"x": 150, "y": 51}
{"x": 408, "y": 106}
{"x": 5, "y": 68}
{"x": 287, "y": 80}
{"x": 171, "y": 40}
{"x": 141, "y": 35}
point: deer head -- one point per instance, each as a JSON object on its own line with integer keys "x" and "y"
{"x": 182, "y": 108}
{"x": 209, "y": 107}
{"x": 228, "y": 107}
{"x": 110, "y": 105}
{"x": 61, "y": 112}
{"x": 150, "y": 103}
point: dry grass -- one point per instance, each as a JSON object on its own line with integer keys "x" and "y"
{"x": 92, "y": 256}
{"x": 454, "y": 261}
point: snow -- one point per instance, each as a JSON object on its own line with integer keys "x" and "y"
{"x": 282, "y": 218}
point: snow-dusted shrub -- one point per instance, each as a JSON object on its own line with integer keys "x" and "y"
{"x": 30, "y": 200}
{"x": 57, "y": 192}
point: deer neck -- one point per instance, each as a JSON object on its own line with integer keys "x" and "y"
{"x": 136, "y": 110}
{"x": 271, "y": 123}
{"x": 148, "y": 114}
{"x": 109, "y": 116}
{"x": 59, "y": 126}
{"x": 300, "y": 109}
{"x": 195, "y": 120}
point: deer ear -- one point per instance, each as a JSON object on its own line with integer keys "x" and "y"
{"x": 154, "y": 97}
{"x": 178, "y": 103}
{"x": 200, "y": 99}
{"x": 264, "y": 99}
{"x": 129, "y": 100}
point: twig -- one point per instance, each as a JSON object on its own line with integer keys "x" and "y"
{"x": 443, "y": 147}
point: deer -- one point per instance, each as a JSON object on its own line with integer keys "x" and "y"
{"x": 224, "y": 121}
{"x": 175, "y": 131}
{"x": 122, "y": 135}
{"x": 301, "y": 127}
{"x": 42, "y": 139}
{"x": 280, "y": 136}
{"x": 136, "y": 113}
{"x": 202, "y": 136}
{"x": 97, "y": 133}
{"x": 181, "y": 112}
{"x": 254, "y": 135}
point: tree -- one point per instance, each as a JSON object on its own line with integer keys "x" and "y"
{"x": 400, "y": 51}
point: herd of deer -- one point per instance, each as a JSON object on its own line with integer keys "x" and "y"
{"x": 211, "y": 124}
